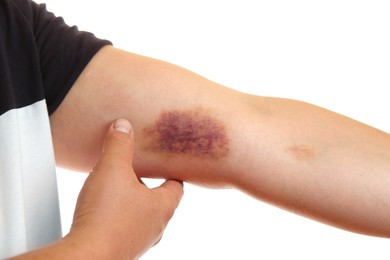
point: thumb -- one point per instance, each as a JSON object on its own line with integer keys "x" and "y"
{"x": 118, "y": 147}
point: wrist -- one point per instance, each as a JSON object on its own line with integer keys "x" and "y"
{"x": 66, "y": 248}
{"x": 79, "y": 246}
{"x": 92, "y": 245}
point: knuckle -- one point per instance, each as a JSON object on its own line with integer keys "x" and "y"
{"x": 163, "y": 211}
{"x": 168, "y": 209}
{"x": 118, "y": 147}
{"x": 121, "y": 138}
{"x": 113, "y": 163}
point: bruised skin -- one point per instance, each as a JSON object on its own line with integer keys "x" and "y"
{"x": 190, "y": 145}
{"x": 190, "y": 132}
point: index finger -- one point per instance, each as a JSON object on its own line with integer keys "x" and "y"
{"x": 172, "y": 192}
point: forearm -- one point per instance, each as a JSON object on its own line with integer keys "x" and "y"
{"x": 317, "y": 163}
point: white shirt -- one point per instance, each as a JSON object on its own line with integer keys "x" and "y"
{"x": 29, "y": 207}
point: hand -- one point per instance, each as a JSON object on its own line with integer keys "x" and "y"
{"x": 116, "y": 215}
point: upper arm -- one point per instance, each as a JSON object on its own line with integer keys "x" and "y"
{"x": 175, "y": 113}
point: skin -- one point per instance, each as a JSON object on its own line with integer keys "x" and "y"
{"x": 116, "y": 216}
{"x": 294, "y": 155}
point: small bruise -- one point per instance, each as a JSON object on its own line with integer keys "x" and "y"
{"x": 189, "y": 132}
{"x": 302, "y": 152}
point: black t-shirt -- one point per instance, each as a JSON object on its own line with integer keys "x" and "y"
{"x": 40, "y": 56}
{"x": 40, "y": 59}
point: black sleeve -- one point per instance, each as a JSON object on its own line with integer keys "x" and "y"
{"x": 63, "y": 51}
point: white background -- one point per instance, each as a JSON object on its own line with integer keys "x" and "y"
{"x": 335, "y": 54}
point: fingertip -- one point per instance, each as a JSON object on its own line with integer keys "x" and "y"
{"x": 123, "y": 125}
{"x": 173, "y": 182}
{"x": 120, "y": 131}
{"x": 175, "y": 187}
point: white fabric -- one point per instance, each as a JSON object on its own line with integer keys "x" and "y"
{"x": 29, "y": 208}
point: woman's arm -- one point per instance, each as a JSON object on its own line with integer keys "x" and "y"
{"x": 298, "y": 156}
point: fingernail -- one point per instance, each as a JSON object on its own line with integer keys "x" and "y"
{"x": 122, "y": 125}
